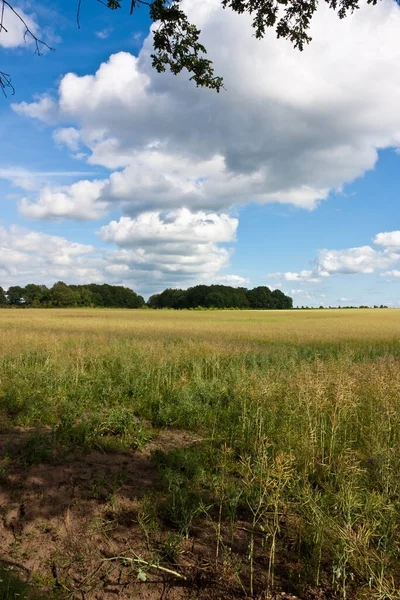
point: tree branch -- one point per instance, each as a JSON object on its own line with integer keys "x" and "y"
{"x": 5, "y": 83}
{"x": 5, "y": 78}
{"x": 28, "y": 32}
{"x": 78, "y": 12}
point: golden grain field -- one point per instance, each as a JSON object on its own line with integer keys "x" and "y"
{"x": 294, "y": 418}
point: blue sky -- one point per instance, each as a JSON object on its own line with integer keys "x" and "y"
{"x": 289, "y": 178}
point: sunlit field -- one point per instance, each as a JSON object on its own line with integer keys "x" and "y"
{"x": 273, "y": 435}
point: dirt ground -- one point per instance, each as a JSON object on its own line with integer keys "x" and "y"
{"x": 64, "y": 525}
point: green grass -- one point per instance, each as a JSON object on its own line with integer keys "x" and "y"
{"x": 14, "y": 588}
{"x": 299, "y": 414}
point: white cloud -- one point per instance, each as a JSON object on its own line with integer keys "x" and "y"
{"x": 273, "y": 286}
{"x": 389, "y": 240}
{"x": 353, "y": 260}
{"x": 103, "y": 34}
{"x": 34, "y": 256}
{"x": 79, "y": 199}
{"x": 363, "y": 259}
{"x": 290, "y": 127}
{"x": 393, "y": 273}
{"x": 232, "y": 280}
{"x": 176, "y": 227}
{"x": 304, "y": 295}
{"x": 154, "y": 251}
{"x": 44, "y": 109}
{"x": 13, "y": 34}
{"x": 304, "y": 276}
{"x": 67, "y": 136}
{"x": 171, "y": 248}
{"x": 34, "y": 180}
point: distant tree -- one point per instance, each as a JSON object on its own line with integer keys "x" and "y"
{"x": 236, "y": 298}
{"x": 62, "y": 295}
{"x": 215, "y": 300}
{"x": 110, "y": 296}
{"x": 220, "y": 296}
{"x": 280, "y": 300}
{"x": 197, "y": 295}
{"x": 87, "y": 298}
{"x": 3, "y": 297}
{"x": 260, "y": 297}
{"x": 181, "y": 302}
{"x": 35, "y": 294}
{"x": 169, "y": 297}
{"x": 153, "y": 301}
{"x": 15, "y": 294}
{"x": 118, "y": 296}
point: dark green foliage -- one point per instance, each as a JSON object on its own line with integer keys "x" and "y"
{"x": 176, "y": 40}
{"x": 35, "y": 294}
{"x": 114, "y": 430}
{"x": 3, "y": 297}
{"x": 221, "y": 296}
{"x": 63, "y": 295}
{"x": 184, "y": 476}
{"x": 15, "y": 295}
{"x": 215, "y": 299}
{"x": 279, "y": 300}
{"x": 12, "y": 587}
{"x": 292, "y": 19}
{"x": 176, "y": 44}
{"x": 115, "y": 296}
{"x": 260, "y": 297}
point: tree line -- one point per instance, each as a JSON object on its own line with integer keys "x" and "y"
{"x": 221, "y": 296}
{"x": 117, "y": 296}
{"x": 63, "y": 295}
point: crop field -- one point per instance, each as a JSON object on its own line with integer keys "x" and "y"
{"x": 199, "y": 454}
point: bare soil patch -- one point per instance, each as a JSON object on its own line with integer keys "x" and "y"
{"x": 63, "y": 525}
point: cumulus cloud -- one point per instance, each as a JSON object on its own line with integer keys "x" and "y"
{"x": 389, "y": 240}
{"x": 149, "y": 253}
{"x": 291, "y": 127}
{"x": 29, "y": 255}
{"x": 353, "y": 260}
{"x": 79, "y": 199}
{"x": 305, "y": 276}
{"x": 44, "y": 109}
{"x": 171, "y": 248}
{"x": 67, "y": 136}
{"x": 173, "y": 228}
{"x": 363, "y": 259}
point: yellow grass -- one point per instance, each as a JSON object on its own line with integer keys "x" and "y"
{"x": 299, "y": 412}
{"x": 336, "y": 325}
